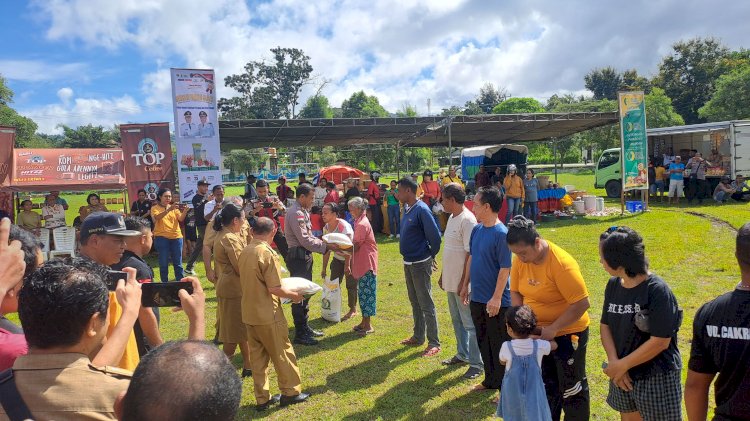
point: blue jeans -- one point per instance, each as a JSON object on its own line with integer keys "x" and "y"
{"x": 394, "y": 218}
{"x": 419, "y": 288}
{"x": 466, "y": 337}
{"x": 169, "y": 249}
{"x": 514, "y": 205}
{"x": 531, "y": 210}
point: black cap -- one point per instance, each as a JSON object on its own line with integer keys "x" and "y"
{"x": 203, "y": 113}
{"x": 188, "y": 113}
{"x": 108, "y": 223}
{"x": 427, "y": 172}
{"x": 203, "y": 183}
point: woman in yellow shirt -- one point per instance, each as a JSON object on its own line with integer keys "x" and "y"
{"x": 228, "y": 246}
{"x": 167, "y": 234}
{"x": 514, "y": 192}
{"x": 28, "y": 219}
{"x": 94, "y": 205}
{"x": 452, "y": 177}
{"x": 548, "y": 279}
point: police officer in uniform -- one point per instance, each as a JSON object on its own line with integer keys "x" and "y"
{"x": 205, "y": 128}
{"x": 302, "y": 244}
{"x": 267, "y": 330}
{"x": 188, "y": 128}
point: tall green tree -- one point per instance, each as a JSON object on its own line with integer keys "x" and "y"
{"x": 632, "y": 81}
{"x": 689, "y": 74}
{"x": 25, "y": 127}
{"x": 88, "y": 136}
{"x": 244, "y": 161}
{"x": 489, "y": 96}
{"x": 360, "y": 105}
{"x": 317, "y": 106}
{"x": 659, "y": 110}
{"x": 731, "y": 101}
{"x": 407, "y": 110}
{"x": 268, "y": 89}
{"x": 518, "y": 105}
{"x": 603, "y": 83}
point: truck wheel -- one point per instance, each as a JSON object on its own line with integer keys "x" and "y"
{"x": 613, "y": 188}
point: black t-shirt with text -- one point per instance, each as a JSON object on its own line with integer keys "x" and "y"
{"x": 620, "y": 308}
{"x": 721, "y": 344}
{"x": 199, "y": 203}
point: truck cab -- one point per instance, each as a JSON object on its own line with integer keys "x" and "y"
{"x": 607, "y": 173}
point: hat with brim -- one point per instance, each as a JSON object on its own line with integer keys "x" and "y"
{"x": 106, "y": 223}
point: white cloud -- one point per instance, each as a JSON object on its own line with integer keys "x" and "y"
{"x": 402, "y": 51}
{"x": 82, "y": 111}
{"x": 41, "y": 71}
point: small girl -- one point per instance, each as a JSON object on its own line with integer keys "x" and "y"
{"x": 523, "y": 396}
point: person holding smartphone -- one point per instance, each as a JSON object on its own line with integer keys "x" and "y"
{"x": 270, "y": 207}
{"x": 167, "y": 233}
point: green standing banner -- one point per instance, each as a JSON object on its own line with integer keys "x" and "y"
{"x": 634, "y": 149}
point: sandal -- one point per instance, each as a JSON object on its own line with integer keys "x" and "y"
{"x": 479, "y": 388}
{"x": 357, "y": 328}
{"x": 410, "y": 342}
{"x": 454, "y": 360}
{"x": 431, "y": 351}
{"x": 365, "y": 332}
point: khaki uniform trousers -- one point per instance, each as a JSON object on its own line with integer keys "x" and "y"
{"x": 271, "y": 343}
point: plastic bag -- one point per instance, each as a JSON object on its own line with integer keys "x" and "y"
{"x": 342, "y": 240}
{"x": 330, "y": 303}
{"x": 300, "y": 286}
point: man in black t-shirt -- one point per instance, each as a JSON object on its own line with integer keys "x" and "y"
{"x": 199, "y": 203}
{"x": 721, "y": 344}
{"x": 146, "y": 328}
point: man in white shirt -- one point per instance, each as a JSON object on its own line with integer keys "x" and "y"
{"x": 455, "y": 254}
{"x": 320, "y": 193}
{"x": 213, "y": 207}
{"x": 53, "y": 213}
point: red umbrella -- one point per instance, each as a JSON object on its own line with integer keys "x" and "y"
{"x": 338, "y": 173}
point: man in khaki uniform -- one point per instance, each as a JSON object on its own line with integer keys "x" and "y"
{"x": 63, "y": 310}
{"x": 267, "y": 330}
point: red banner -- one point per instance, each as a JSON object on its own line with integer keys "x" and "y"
{"x": 72, "y": 169}
{"x": 148, "y": 158}
{"x": 7, "y": 139}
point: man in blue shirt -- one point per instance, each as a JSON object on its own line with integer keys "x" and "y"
{"x": 488, "y": 271}
{"x": 420, "y": 243}
{"x": 676, "y": 182}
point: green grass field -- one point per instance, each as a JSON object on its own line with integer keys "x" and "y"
{"x": 376, "y": 378}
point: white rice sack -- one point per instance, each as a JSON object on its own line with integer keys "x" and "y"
{"x": 342, "y": 240}
{"x": 300, "y": 286}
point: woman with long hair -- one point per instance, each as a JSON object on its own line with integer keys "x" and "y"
{"x": 228, "y": 246}
{"x": 167, "y": 233}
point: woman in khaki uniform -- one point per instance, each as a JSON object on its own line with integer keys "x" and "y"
{"x": 228, "y": 246}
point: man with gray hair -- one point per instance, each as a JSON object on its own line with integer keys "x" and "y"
{"x": 455, "y": 256}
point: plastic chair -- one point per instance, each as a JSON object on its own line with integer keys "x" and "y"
{"x": 43, "y": 237}
{"x": 65, "y": 242}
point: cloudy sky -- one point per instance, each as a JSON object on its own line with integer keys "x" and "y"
{"x": 103, "y": 62}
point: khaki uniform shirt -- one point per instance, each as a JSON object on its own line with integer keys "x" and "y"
{"x": 65, "y": 387}
{"x": 298, "y": 230}
{"x": 260, "y": 269}
{"x": 227, "y": 249}
{"x": 211, "y": 234}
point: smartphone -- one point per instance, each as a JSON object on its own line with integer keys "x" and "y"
{"x": 113, "y": 276}
{"x": 163, "y": 294}
{"x": 267, "y": 205}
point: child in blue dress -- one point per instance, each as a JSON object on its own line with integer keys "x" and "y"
{"x": 523, "y": 396}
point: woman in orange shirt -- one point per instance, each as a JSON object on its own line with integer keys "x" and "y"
{"x": 167, "y": 233}
{"x": 430, "y": 192}
{"x": 514, "y": 192}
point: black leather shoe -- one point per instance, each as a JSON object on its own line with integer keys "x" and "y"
{"x": 305, "y": 340}
{"x": 264, "y": 406}
{"x": 291, "y": 400}
{"x": 246, "y": 372}
{"x": 315, "y": 333}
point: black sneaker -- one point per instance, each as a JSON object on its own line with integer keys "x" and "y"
{"x": 305, "y": 340}
{"x": 246, "y": 372}
{"x": 264, "y": 406}
{"x": 292, "y": 400}
{"x": 472, "y": 373}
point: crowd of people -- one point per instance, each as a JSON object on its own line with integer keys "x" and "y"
{"x": 518, "y": 304}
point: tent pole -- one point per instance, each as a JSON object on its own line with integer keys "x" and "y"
{"x": 398, "y": 160}
{"x": 450, "y": 142}
{"x": 554, "y": 156}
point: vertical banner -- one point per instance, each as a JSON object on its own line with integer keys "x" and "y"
{"x": 7, "y": 141}
{"x": 147, "y": 151}
{"x": 196, "y": 129}
{"x": 634, "y": 149}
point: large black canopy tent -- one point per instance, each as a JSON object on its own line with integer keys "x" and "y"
{"x": 452, "y": 131}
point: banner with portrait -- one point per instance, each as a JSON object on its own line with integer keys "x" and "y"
{"x": 196, "y": 129}
{"x": 147, "y": 152}
{"x": 634, "y": 152}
